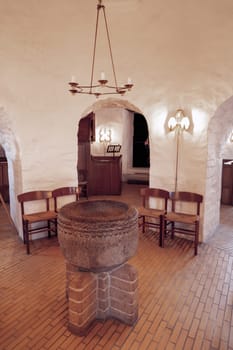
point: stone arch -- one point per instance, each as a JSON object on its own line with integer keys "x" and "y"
{"x": 10, "y": 146}
{"x": 218, "y": 131}
{"x": 111, "y": 103}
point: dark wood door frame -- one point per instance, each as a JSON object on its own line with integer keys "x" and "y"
{"x": 227, "y": 182}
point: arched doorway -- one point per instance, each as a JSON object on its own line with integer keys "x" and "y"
{"x": 116, "y": 117}
{"x": 9, "y": 144}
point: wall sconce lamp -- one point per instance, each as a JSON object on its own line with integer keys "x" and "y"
{"x": 180, "y": 120}
{"x": 105, "y": 137}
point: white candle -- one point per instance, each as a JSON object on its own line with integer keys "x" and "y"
{"x": 73, "y": 79}
{"x": 129, "y": 81}
{"x": 102, "y": 76}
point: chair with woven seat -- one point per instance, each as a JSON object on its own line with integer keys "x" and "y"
{"x": 153, "y": 209}
{"x": 184, "y": 220}
{"x": 72, "y": 193}
{"x": 35, "y": 221}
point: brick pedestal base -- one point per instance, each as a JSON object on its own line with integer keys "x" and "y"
{"x": 102, "y": 295}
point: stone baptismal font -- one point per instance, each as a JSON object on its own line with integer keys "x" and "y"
{"x": 97, "y": 238}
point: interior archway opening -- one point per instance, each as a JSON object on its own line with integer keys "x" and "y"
{"x": 219, "y": 148}
{"x": 114, "y": 130}
{"x": 12, "y": 171}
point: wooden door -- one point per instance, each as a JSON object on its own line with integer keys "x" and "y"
{"x": 86, "y": 135}
{"x": 86, "y": 129}
{"x": 227, "y": 182}
{"x": 4, "y": 183}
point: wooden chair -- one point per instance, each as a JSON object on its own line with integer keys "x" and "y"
{"x": 64, "y": 192}
{"x": 46, "y": 218}
{"x": 180, "y": 219}
{"x": 152, "y": 214}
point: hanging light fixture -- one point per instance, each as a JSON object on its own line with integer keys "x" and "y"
{"x": 102, "y": 87}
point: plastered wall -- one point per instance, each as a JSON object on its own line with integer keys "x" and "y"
{"x": 179, "y": 55}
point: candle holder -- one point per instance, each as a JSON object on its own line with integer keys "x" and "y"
{"x": 103, "y": 81}
{"x": 128, "y": 86}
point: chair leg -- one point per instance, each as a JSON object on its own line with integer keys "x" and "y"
{"x": 172, "y": 229}
{"x": 49, "y": 229}
{"x": 161, "y": 231}
{"x": 165, "y": 230}
{"x": 143, "y": 224}
{"x": 196, "y": 237}
{"x": 52, "y": 227}
{"x": 26, "y": 236}
{"x": 55, "y": 223}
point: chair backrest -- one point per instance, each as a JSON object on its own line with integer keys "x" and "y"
{"x": 64, "y": 191}
{"x": 157, "y": 193}
{"x": 182, "y": 196}
{"x": 34, "y": 196}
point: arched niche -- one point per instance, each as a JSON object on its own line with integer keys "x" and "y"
{"x": 219, "y": 130}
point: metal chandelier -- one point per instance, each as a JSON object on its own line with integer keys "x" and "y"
{"x": 102, "y": 87}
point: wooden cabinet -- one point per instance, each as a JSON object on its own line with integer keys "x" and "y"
{"x": 4, "y": 183}
{"x": 105, "y": 175}
{"x": 227, "y": 182}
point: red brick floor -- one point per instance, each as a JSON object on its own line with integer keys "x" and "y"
{"x": 185, "y": 302}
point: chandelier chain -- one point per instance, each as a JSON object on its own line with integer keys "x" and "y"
{"x": 94, "y": 50}
{"x": 110, "y": 49}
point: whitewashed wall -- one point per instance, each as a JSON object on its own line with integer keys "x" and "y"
{"x": 179, "y": 55}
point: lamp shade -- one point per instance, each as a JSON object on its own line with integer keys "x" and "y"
{"x": 105, "y": 135}
{"x": 172, "y": 122}
{"x": 185, "y": 123}
{"x": 179, "y": 121}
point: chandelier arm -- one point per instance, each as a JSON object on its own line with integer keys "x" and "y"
{"x": 110, "y": 49}
{"x": 115, "y": 87}
{"x": 94, "y": 49}
{"x": 88, "y": 86}
{"x": 106, "y": 93}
